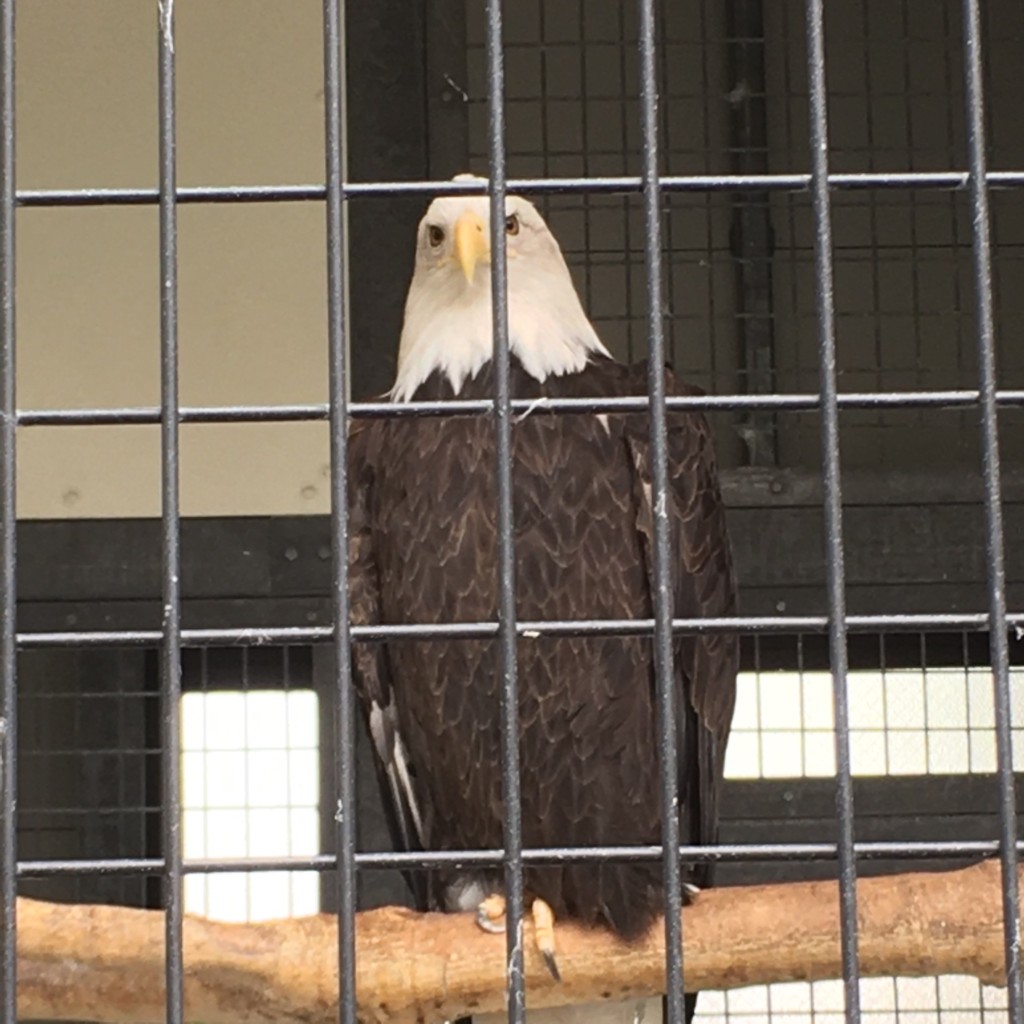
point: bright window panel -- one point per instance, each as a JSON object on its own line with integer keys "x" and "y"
{"x": 251, "y": 788}
{"x": 902, "y": 722}
{"x": 949, "y": 1000}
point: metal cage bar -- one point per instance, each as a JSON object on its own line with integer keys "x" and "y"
{"x": 999, "y": 649}
{"x": 547, "y": 627}
{"x": 724, "y": 853}
{"x": 597, "y": 185}
{"x": 834, "y": 560}
{"x": 170, "y": 654}
{"x": 8, "y": 529}
{"x": 344, "y": 704}
{"x": 506, "y": 629}
{"x": 958, "y": 399}
{"x": 512, "y": 824}
{"x": 663, "y": 605}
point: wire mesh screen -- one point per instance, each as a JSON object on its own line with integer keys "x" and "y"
{"x": 740, "y": 266}
{"x": 90, "y": 774}
{"x": 820, "y": 222}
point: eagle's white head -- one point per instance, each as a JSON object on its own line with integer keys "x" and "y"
{"x": 448, "y": 324}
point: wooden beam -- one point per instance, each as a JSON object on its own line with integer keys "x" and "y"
{"x": 106, "y": 963}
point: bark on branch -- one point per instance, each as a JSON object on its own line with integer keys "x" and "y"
{"x": 106, "y": 963}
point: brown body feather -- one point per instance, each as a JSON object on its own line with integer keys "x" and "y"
{"x": 424, "y": 550}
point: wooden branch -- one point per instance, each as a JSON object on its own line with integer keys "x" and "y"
{"x": 106, "y": 963}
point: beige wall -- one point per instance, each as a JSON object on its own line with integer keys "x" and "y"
{"x": 252, "y": 277}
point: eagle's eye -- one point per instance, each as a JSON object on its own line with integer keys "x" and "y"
{"x": 512, "y": 224}
{"x": 435, "y": 235}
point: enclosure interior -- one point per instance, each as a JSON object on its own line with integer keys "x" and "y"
{"x": 741, "y": 318}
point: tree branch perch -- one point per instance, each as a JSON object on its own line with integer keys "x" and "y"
{"x": 106, "y": 963}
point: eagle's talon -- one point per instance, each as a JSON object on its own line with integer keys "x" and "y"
{"x": 490, "y": 914}
{"x": 544, "y": 935}
{"x": 490, "y": 917}
{"x": 552, "y": 964}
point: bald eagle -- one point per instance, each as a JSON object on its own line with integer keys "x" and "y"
{"x": 423, "y": 549}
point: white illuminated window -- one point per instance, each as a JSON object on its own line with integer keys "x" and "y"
{"x": 948, "y": 1000}
{"x": 250, "y": 788}
{"x": 902, "y": 722}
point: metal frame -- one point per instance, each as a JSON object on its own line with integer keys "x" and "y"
{"x": 507, "y": 632}
{"x": 8, "y": 561}
{"x": 170, "y": 660}
{"x": 977, "y": 159}
{"x": 663, "y": 604}
{"x": 834, "y": 553}
{"x": 837, "y": 624}
{"x": 337, "y": 344}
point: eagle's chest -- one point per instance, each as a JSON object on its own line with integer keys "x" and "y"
{"x": 437, "y": 508}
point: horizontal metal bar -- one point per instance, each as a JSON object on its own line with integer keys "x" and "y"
{"x": 940, "y": 180}
{"x": 808, "y": 402}
{"x": 151, "y": 415}
{"x": 146, "y": 196}
{"x": 380, "y": 860}
{"x": 280, "y": 636}
{"x": 252, "y": 637}
{"x": 726, "y": 853}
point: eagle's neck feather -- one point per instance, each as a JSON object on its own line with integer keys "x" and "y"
{"x": 448, "y": 330}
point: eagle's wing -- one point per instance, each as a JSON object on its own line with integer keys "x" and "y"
{"x": 703, "y": 586}
{"x": 370, "y": 669}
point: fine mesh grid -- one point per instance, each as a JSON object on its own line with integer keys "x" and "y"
{"x": 902, "y": 257}
{"x": 913, "y": 711}
{"x": 89, "y": 759}
{"x": 759, "y": 286}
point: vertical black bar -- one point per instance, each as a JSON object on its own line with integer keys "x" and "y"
{"x": 170, "y": 523}
{"x": 8, "y": 513}
{"x": 345, "y": 815}
{"x": 834, "y": 563}
{"x": 663, "y": 602}
{"x": 999, "y": 645}
{"x": 513, "y": 831}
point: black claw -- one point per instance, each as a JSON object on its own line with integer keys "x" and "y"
{"x": 549, "y": 959}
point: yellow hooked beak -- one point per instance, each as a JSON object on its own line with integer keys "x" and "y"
{"x": 471, "y": 243}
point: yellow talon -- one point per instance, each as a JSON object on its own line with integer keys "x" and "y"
{"x": 544, "y": 935}
{"x": 490, "y": 917}
{"x": 490, "y": 914}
